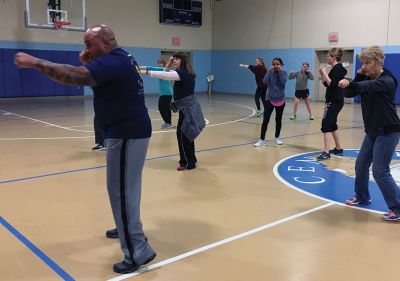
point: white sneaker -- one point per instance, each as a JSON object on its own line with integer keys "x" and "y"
{"x": 259, "y": 112}
{"x": 278, "y": 141}
{"x": 260, "y": 143}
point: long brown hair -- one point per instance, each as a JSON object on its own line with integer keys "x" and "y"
{"x": 184, "y": 63}
{"x": 262, "y": 62}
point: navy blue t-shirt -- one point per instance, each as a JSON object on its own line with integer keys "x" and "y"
{"x": 184, "y": 87}
{"x": 119, "y": 96}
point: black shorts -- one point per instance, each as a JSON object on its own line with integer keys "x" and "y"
{"x": 331, "y": 112}
{"x": 302, "y": 94}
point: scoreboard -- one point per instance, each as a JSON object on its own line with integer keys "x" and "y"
{"x": 186, "y": 12}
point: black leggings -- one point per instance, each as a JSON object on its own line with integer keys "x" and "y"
{"x": 269, "y": 108}
{"x": 98, "y": 132}
{"x": 164, "y": 106}
{"x": 260, "y": 93}
{"x": 187, "y": 157}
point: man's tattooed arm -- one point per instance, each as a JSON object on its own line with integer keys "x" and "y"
{"x": 65, "y": 73}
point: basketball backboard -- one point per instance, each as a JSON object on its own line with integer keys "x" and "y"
{"x": 45, "y": 13}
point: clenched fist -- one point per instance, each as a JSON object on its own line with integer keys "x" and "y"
{"x": 344, "y": 83}
{"x": 84, "y": 57}
{"x": 23, "y": 60}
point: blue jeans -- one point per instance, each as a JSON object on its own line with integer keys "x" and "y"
{"x": 378, "y": 151}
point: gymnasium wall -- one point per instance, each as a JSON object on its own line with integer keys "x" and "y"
{"x": 273, "y": 24}
{"x": 233, "y": 32}
{"x": 229, "y": 77}
{"x": 294, "y": 30}
{"x": 137, "y": 29}
{"x": 135, "y": 23}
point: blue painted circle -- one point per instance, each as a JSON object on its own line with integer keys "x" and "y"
{"x": 304, "y": 173}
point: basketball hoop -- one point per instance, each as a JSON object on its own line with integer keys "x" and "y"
{"x": 60, "y": 27}
{"x": 60, "y": 24}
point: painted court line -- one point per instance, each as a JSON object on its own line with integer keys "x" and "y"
{"x": 253, "y": 112}
{"x": 43, "y": 122}
{"x": 49, "y": 262}
{"x": 154, "y": 158}
{"x": 221, "y": 242}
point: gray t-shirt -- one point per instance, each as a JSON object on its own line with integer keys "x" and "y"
{"x": 301, "y": 79}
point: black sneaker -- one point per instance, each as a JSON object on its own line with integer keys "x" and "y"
{"x": 323, "y": 156}
{"x": 112, "y": 233}
{"x": 336, "y": 151}
{"x": 98, "y": 147}
{"x": 124, "y": 267}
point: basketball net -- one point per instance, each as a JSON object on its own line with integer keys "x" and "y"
{"x": 60, "y": 26}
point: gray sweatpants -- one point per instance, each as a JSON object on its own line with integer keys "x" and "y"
{"x": 125, "y": 161}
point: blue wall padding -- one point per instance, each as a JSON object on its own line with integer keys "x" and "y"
{"x": 16, "y": 82}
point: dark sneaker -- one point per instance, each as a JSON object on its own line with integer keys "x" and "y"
{"x": 112, "y": 233}
{"x": 354, "y": 201}
{"x": 323, "y": 156}
{"x": 124, "y": 267}
{"x": 98, "y": 147}
{"x": 391, "y": 217}
{"x": 336, "y": 151}
{"x": 184, "y": 168}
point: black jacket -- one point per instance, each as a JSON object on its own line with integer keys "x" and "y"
{"x": 333, "y": 92}
{"x": 377, "y": 102}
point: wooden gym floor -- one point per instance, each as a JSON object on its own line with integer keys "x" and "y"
{"x": 230, "y": 219}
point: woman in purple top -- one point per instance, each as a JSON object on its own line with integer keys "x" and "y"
{"x": 259, "y": 70}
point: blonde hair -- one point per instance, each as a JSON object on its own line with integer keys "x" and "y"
{"x": 162, "y": 61}
{"x": 336, "y": 52}
{"x": 372, "y": 53}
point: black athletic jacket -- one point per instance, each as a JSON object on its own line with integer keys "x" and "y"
{"x": 377, "y": 102}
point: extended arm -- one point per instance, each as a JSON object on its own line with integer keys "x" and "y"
{"x": 171, "y": 75}
{"x": 153, "y": 68}
{"x": 61, "y": 73}
{"x": 361, "y": 85}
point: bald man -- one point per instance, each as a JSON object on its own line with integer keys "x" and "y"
{"x": 119, "y": 106}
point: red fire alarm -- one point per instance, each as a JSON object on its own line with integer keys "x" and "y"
{"x": 176, "y": 41}
{"x": 333, "y": 36}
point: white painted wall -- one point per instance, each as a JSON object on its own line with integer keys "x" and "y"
{"x": 260, "y": 24}
{"x": 394, "y": 23}
{"x": 135, "y": 23}
{"x": 229, "y": 24}
{"x": 359, "y": 22}
{"x": 251, "y": 24}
